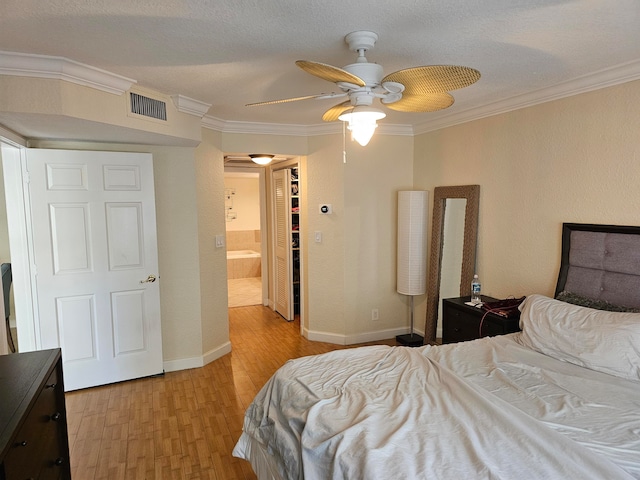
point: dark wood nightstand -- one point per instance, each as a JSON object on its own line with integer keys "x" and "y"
{"x": 461, "y": 322}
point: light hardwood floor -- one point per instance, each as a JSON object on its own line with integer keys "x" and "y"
{"x": 184, "y": 424}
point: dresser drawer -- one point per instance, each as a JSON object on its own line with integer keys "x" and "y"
{"x": 39, "y": 448}
{"x": 459, "y": 325}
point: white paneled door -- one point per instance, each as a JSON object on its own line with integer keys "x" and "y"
{"x": 96, "y": 263}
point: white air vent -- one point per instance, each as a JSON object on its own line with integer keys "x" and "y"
{"x": 148, "y": 107}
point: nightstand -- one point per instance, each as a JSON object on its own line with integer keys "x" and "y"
{"x": 461, "y": 322}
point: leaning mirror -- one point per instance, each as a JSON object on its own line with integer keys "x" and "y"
{"x": 454, "y": 234}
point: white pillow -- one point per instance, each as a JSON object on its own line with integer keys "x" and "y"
{"x": 604, "y": 341}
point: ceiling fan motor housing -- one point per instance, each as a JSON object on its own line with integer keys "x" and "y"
{"x": 371, "y": 73}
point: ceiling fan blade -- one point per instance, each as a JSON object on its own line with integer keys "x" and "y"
{"x": 434, "y": 78}
{"x": 285, "y": 100}
{"x": 334, "y": 112}
{"x": 429, "y": 102}
{"x": 330, "y": 73}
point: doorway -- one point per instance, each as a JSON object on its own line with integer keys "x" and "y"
{"x": 245, "y": 218}
{"x": 241, "y": 163}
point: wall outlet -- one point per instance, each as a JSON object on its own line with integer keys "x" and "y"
{"x": 375, "y": 316}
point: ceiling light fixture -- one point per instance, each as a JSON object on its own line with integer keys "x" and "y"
{"x": 362, "y": 122}
{"x": 261, "y": 158}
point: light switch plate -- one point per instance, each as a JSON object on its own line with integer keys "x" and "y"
{"x": 219, "y": 241}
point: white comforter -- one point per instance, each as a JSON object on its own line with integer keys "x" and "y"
{"x": 402, "y": 413}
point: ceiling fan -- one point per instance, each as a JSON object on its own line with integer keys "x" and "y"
{"x": 417, "y": 89}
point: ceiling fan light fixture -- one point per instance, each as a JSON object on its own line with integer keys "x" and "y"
{"x": 261, "y": 158}
{"x": 362, "y": 123}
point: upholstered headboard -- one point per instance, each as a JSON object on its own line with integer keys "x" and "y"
{"x": 601, "y": 262}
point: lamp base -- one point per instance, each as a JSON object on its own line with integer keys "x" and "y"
{"x": 410, "y": 340}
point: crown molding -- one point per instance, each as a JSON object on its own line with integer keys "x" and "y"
{"x": 60, "y": 68}
{"x": 626, "y": 72}
{"x": 190, "y": 106}
{"x": 609, "y": 77}
{"x": 213, "y": 123}
{"x": 11, "y": 138}
{"x": 329, "y": 128}
{"x": 395, "y": 129}
{"x": 256, "y": 128}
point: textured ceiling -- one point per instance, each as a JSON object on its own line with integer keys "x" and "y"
{"x": 232, "y": 52}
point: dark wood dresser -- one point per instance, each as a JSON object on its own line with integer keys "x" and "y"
{"x": 33, "y": 421}
{"x": 461, "y": 322}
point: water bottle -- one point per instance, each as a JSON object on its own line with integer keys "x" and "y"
{"x": 475, "y": 290}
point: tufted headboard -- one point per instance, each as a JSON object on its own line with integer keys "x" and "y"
{"x": 601, "y": 262}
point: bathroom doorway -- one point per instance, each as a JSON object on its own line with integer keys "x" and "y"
{"x": 245, "y": 215}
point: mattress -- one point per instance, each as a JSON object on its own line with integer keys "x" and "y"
{"x": 490, "y": 408}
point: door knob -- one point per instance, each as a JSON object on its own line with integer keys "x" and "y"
{"x": 149, "y": 279}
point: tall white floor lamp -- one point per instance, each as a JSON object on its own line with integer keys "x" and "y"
{"x": 412, "y": 252}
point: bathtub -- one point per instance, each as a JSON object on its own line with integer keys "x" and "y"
{"x": 233, "y": 254}
{"x": 243, "y": 264}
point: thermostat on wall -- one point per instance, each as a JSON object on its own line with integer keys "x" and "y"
{"x": 325, "y": 208}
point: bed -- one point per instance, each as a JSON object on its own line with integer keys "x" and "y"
{"x": 561, "y": 399}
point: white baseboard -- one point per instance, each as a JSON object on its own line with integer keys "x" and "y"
{"x": 325, "y": 337}
{"x": 216, "y": 353}
{"x": 197, "y": 362}
{"x": 182, "y": 364}
{"x": 365, "y": 337}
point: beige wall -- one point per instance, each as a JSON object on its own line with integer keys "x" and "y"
{"x": 245, "y": 201}
{"x": 326, "y": 263}
{"x": 257, "y": 143}
{"x": 93, "y": 111}
{"x": 353, "y": 270}
{"x": 372, "y": 181}
{"x": 571, "y": 160}
{"x": 212, "y": 260}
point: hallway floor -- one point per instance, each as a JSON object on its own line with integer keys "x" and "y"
{"x": 245, "y": 291}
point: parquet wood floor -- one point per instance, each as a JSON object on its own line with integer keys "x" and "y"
{"x": 184, "y": 424}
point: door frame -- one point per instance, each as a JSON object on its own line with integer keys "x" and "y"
{"x": 21, "y": 246}
{"x": 264, "y": 226}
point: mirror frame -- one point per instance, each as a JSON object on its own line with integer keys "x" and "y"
{"x": 440, "y": 195}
